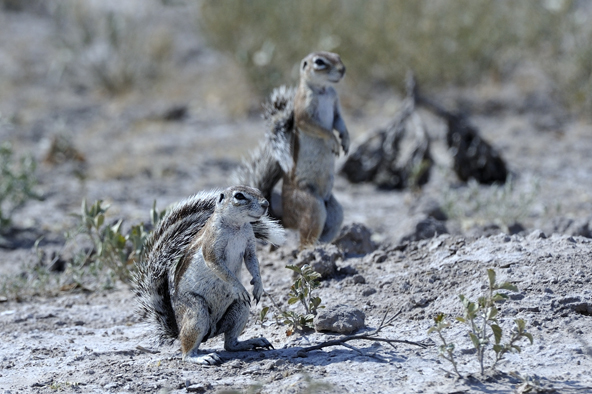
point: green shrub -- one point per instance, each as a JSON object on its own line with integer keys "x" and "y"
{"x": 112, "y": 249}
{"x": 106, "y": 254}
{"x": 17, "y": 183}
{"x": 301, "y": 292}
{"x": 482, "y": 321}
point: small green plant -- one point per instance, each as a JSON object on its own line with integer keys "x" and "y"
{"x": 446, "y": 350}
{"x": 263, "y": 314}
{"x": 17, "y": 183}
{"x": 301, "y": 291}
{"x": 111, "y": 248}
{"x": 481, "y": 317}
{"x": 533, "y": 384}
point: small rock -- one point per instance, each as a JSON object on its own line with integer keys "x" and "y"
{"x": 404, "y": 287}
{"x": 424, "y": 229}
{"x": 368, "y": 291}
{"x": 342, "y": 319}
{"x": 175, "y": 113}
{"x": 578, "y": 227}
{"x": 429, "y": 207}
{"x": 515, "y": 228}
{"x": 359, "y": 279}
{"x": 355, "y": 240}
{"x": 198, "y": 388}
{"x": 235, "y": 364}
{"x": 348, "y": 270}
{"x": 484, "y": 230}
{"x": 537, "y": 234}
{"x": 322, "y": 259}
{"x": 377, "y": 257}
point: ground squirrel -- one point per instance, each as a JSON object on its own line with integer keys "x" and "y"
{"x": 301, "y": 146}
{"x": 188, "y": 280}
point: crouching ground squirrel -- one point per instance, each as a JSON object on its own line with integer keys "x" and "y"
{"x": 301, "y": 146}
{"x": 188, "y": 280}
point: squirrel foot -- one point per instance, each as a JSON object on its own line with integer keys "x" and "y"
{"x": 208, "y": 359}
{"x": 249, "y": 344}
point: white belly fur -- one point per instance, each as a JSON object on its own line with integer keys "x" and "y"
{"x": 325, "y": 110}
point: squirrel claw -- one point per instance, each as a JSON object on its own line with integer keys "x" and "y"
{"x": 345, "y": 144}
{"x": 244, "y": 297}
{"x": 262, "y": 343}
{"x": 335, "y": 147}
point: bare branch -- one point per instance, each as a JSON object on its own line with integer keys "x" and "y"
{"x": 342, "y": 341}
{"x": 367, "y": 337}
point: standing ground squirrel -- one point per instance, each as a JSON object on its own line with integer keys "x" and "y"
{"x": 188, "y": 280}
{"x": 301, "y": 146}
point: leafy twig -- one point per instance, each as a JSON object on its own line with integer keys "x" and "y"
{"x": 446, "y": 349}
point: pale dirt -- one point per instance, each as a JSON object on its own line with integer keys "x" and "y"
{"x": 95, "y": 343}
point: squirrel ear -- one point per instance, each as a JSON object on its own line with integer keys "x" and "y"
{"x": 221, "y": 197}
{"x": 304, "y": 64}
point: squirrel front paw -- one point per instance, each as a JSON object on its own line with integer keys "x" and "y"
{"x": 257, "y": 290}
{"x": 243, "y": 295}
{"x": 345, "y": 143}
{"x": 334, "y": 145}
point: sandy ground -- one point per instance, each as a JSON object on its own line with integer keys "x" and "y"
{"x": 95, "y": 342}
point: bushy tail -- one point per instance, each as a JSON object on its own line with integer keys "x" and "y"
{"x": 167, "y": 245}
{"x": 164, "y": 248}
{"x": 268, "y": 163}
{"x": 261, "y": 170}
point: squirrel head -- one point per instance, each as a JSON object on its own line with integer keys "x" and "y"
{"x": 241, "y": 204}
{"x": 322, "y": 68}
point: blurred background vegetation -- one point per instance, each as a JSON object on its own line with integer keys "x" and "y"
{"x": 445, "y": 42}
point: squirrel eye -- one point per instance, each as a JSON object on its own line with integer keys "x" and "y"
{"x": 240, "y": 196}
{"x": 319, "y": 62}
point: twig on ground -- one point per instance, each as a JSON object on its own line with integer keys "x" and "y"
{"x": 146, "y": 350}
{"x": 369, "y": 337}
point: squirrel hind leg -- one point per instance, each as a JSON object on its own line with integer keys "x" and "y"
{"x": 306, "y": 212}
{"x": 233, "y": 323}
{"x": 194, "y": 329}
{"x": 333, "y": 221}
